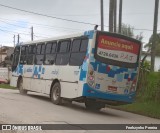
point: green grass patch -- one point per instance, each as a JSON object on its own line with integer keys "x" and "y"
{"x": 151, "y": 109}
{"x": 7, "y": 86}
{"x": 147, "y": 100}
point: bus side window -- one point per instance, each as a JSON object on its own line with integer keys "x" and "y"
{"x": 40, "y": 54}
{"x": 31, "y": 54}
{"x": 76, "y": 45}
{"x": 78, "y": 52}
{"x": 23, "y": 57}
{"x": 63, "y": 52}
{"x": 16, "y": 56}
{"x": 84, "y": 45}
{"x": 50, "y": 53}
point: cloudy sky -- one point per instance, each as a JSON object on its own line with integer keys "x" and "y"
{"x": 137, "y": 13}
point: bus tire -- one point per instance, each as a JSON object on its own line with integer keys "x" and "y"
{"x": 20, "y": 87}
{"x": 56, "y": 94}
{"x": 92, "y": 105}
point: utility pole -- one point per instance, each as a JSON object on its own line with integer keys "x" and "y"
{"x": 14, "y": 40}
{"x": 32, "y": 33}
{"x": 18, "y": 39}
{"x": 120, "y": 16}
{"x": 115, "y": 15}
{"x": 153, "y": 48}
{"x": 111, "y": 11}
{"x": 102, "y": 19}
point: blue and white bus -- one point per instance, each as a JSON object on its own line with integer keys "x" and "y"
{"x": 93, "y": 67}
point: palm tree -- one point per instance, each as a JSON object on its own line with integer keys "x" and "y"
{"x": 157, "y": 42}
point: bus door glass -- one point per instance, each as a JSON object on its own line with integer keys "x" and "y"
{"x": 16, "y": 58}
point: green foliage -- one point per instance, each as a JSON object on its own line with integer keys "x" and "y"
{"x": 148, "y": 108}
{"x": 148, "y": 95}
{"x": 149, "y": 87}
{"x": 6, "y": 86}
{"x": 127, "y": 30}
{"x": 149, "y": 44}
{"x": 146, "y": 65}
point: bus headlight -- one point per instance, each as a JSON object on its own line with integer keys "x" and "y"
{"x": 91, "y": 77}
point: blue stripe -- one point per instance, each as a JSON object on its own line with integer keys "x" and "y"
{"x": 92, "y": 93}
{"x": 89, "y": 33}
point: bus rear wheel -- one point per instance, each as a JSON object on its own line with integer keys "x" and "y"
{"x": 94, "y": 106}
{"x": 56, "y": 94}
{"x": 20, "y": 87}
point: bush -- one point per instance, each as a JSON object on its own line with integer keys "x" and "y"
{"x": 149, "y": 87}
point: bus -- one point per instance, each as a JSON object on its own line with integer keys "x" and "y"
{"x": 93, "y": 67}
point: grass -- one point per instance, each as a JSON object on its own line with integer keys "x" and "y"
{"x": 147, "y": 97}
{"x": 151, "y": 109}
{"x": 7, "y": 86}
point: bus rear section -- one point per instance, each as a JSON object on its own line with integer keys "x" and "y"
{"x": 113, "y": 69}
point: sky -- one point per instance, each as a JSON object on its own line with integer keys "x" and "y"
{"x": 137, "y": 13}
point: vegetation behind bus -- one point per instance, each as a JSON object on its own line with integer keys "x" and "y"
{"x": 147, "y": 100}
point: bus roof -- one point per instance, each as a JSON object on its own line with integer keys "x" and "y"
{"x": 54, "y": 38}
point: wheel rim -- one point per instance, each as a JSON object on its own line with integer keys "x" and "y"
{"x": 56, "y": 93}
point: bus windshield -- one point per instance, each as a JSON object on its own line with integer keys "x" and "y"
{"x": 116, "y": 49}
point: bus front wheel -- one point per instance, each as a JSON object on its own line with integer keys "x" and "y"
{"x": 56, "y": 94}
{"x": 20, "y": 87}
{"x": 92, "y": 105}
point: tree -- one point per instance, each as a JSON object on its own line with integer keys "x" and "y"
{"x": 127, "y": 30}
{"x": 157, "y": 44}
{"x": 149, "y": 46}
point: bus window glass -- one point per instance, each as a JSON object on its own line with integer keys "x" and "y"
{"x": 49, "y": 59}
{"x": 31, "y": 54}
{"x": 76, "y": 45}
{"x": 84, "y": 45}
{"x": 30, "y": 59}
{"x": 79, "y": 47}
{"x": 48, "y": 48}
{"x": 23, "y": 50}
{"x": 16, "y": 56}
{"x": 40, "y": 54}
{"x": 23, "y": 57}
{"x": 32, "y": 49}
{"x": 39, "y": 59}
{"x": 54, "y": 47}
{"x": 76, "y": 59}
{"x": 26, "y": 51}
{"x": 63, "y": 46}
{"x": 39, "y": 48}
{"x": 43, "y": 49}
{"x": 62, "y": 59}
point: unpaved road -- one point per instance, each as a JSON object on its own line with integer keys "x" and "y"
{"x": 37, "y": 109}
